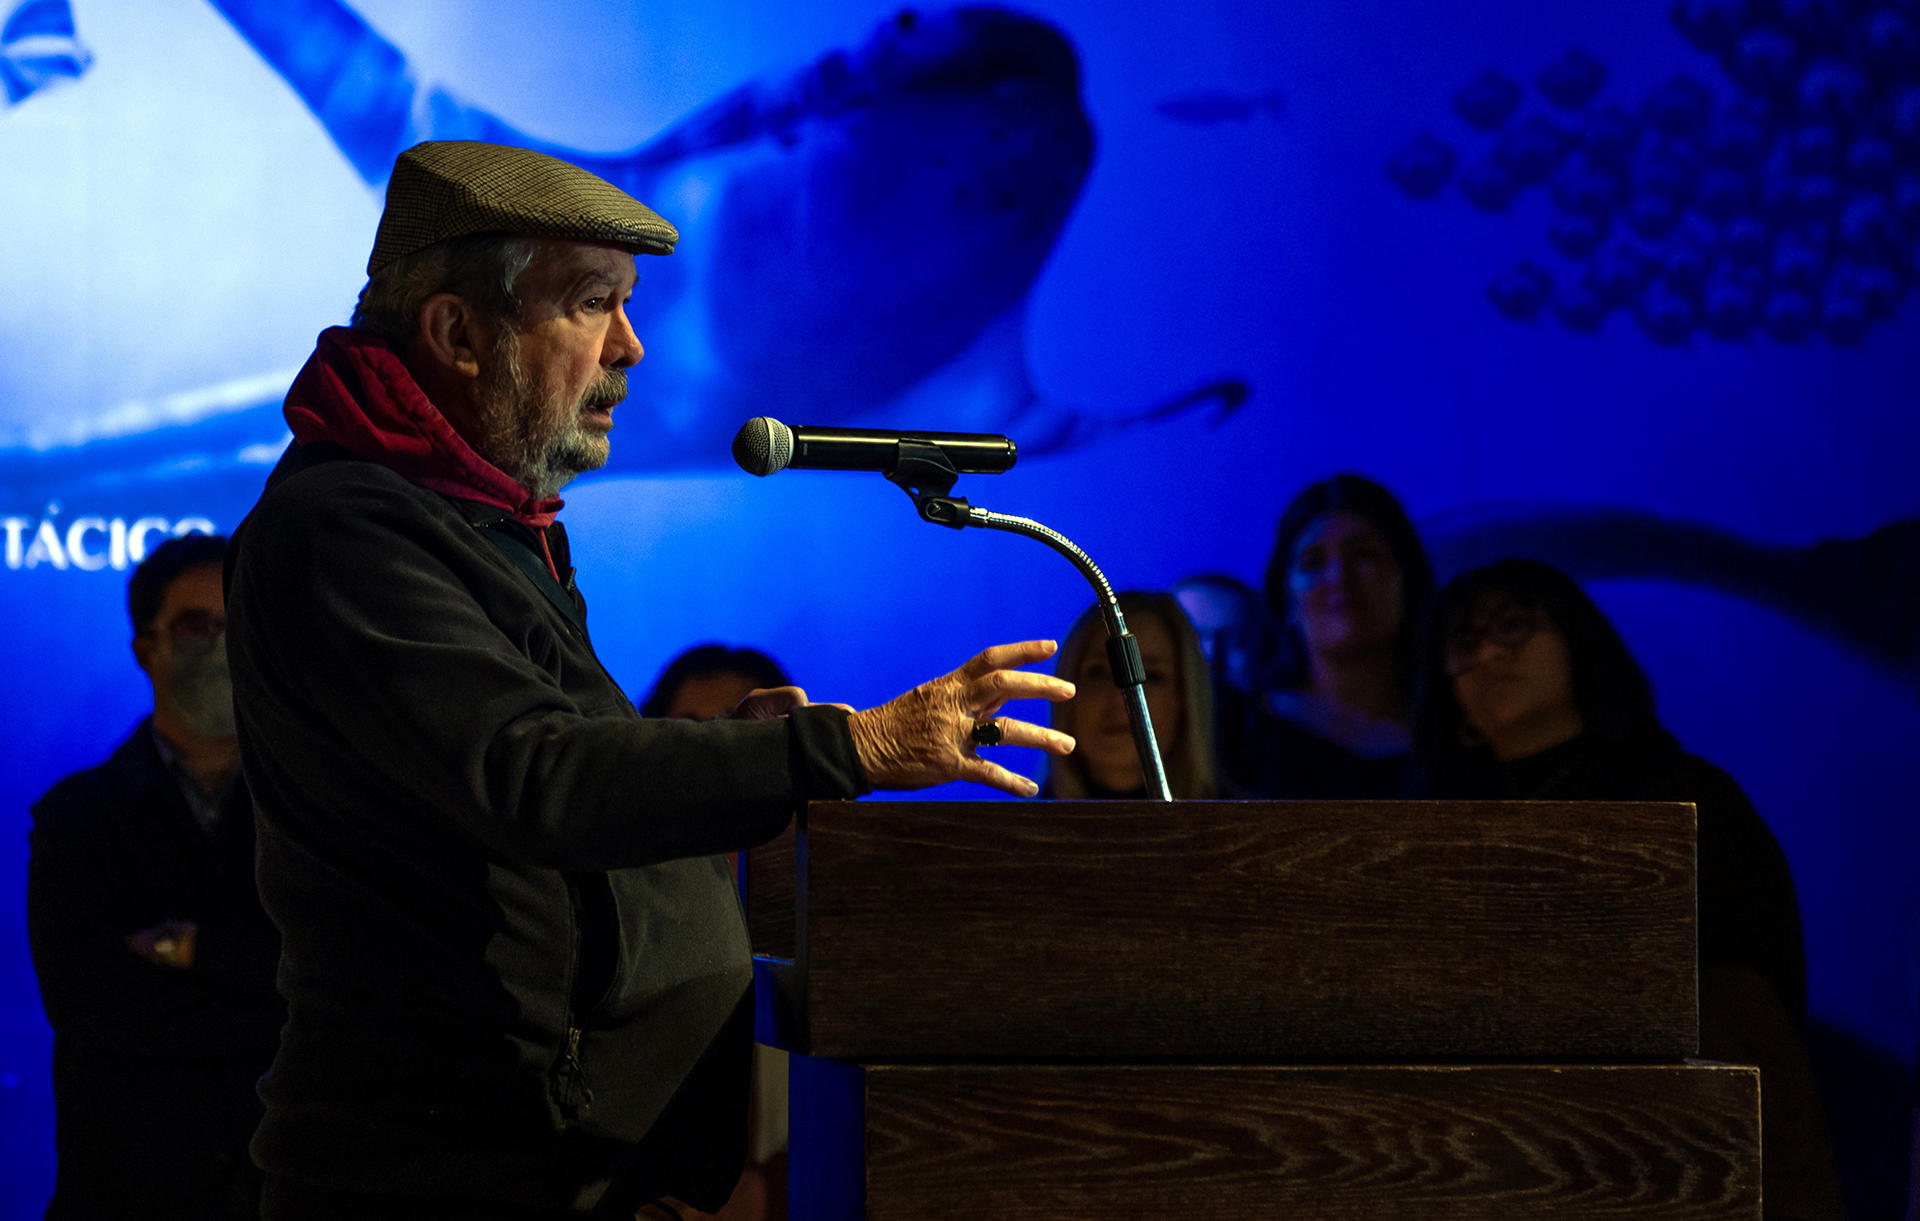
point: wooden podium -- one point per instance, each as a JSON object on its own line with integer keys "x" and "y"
{"x": 1245, "y": 1010}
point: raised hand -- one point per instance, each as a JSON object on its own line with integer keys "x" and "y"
{"x": 925, "y": 737}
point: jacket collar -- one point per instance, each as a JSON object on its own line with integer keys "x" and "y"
{"x": 356, "y": 392}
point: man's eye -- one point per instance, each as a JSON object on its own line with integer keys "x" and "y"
{"x": 593, "y": 302}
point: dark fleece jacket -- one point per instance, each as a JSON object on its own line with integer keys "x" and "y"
{"x": 513, "y": 962}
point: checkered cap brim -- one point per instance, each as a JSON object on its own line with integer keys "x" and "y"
{"x": 451, "y": 188}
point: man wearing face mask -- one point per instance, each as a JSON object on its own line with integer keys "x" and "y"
{"x": 155, "y": 959}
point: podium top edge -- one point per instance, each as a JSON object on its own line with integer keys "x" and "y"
{"x": 1137, "y": 805}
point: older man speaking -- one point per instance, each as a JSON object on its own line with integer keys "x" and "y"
{"x": 518, "y": 980}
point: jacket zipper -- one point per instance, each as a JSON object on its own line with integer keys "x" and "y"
{"x": 570, "y": 1092}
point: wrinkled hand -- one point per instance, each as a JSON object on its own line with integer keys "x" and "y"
{"x": 924, "y": 737}
{"x": 170, "y": 944}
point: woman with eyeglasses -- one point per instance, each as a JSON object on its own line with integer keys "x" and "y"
{"x": 1346, "y": 583}
{"x": 1528, "y": 693}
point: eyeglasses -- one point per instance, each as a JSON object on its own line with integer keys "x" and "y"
{"x": 192, "y": 629}
{"x": 1507, "y": 630}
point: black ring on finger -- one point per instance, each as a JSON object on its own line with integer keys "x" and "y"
{"x": 986, "y": 733}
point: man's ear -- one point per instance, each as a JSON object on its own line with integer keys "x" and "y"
{"x": 450, "y": 335}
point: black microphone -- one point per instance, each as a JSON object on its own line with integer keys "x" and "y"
{"x": 765, "y": 445}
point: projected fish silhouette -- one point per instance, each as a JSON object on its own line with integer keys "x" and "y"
{"x": 859, "y": 237}
{"x": 1856, "y": 591}
{"x": 38, "y": 48}
{"x": 1784, "y": 203}
{"x": 1202, "y": 107}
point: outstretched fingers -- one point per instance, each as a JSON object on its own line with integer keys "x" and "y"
{"x": 1014, "y": 733}
{"x": 1026, "y": 733}
{"x": 979, "y": 771}
{"x": 985, "y": 694}
{"x": 1007, "y": 657}
{"x": 992, "y": 678}
{"x": 927, "y": 735}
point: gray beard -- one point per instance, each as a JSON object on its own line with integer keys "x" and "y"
{"x": 202, "y": 691}
{"x": 532, "y": 436}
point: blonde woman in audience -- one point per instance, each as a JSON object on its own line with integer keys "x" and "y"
{"x": 1179, "y": 698}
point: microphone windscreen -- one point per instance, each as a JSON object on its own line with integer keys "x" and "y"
{"x": 763, "y": 445}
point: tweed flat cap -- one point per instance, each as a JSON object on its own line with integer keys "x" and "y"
{"x": 451, "y": 188}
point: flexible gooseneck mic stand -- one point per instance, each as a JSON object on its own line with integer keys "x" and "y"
{"x": 926, "y": 475}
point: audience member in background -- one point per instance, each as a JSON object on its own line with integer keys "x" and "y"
{"x": 710, "y": 680}
{"x": 1528, "y": 693}
{"x": 1179, "y": 698}
{"x": 706, "y": 681}
{"x": 1236, "y": 633}
{"x": 155, "y": 960}
{"x": 1346, "y": 583}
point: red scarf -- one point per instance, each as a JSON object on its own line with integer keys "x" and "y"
{"x": 357, "y": 393}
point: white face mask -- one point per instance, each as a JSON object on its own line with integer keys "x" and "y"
{"x": 201, "y": 688}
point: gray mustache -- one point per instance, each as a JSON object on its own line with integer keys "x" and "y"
{"x": 609, "y": 390}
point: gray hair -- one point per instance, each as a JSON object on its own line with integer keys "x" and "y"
{"x": 479, "y": 268}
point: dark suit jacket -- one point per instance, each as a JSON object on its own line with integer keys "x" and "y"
{"x": 153, "y": 1067}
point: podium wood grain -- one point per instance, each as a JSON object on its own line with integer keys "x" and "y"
{"x": 1299, "y": 931}
{"x": 1015, "y": 1142}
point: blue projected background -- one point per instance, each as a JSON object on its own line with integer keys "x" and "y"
{"x": 1623, "y": 286}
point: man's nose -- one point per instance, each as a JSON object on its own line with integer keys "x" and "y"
{"x": 623, "y": 350}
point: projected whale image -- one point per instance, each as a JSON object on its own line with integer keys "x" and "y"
{"x": 859, "y": 239}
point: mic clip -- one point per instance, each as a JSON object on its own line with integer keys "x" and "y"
{"x": 925, "y": 474}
